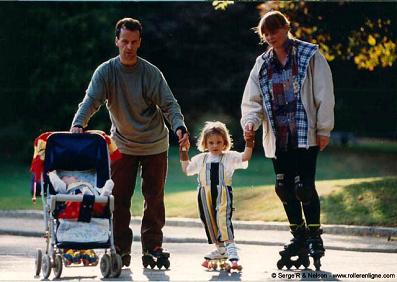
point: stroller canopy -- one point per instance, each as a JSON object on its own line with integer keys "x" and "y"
{"x": 69, "y": 151}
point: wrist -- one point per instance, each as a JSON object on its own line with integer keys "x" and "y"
{"x": 182, "y": 128}
{"x": 249, "y": 143}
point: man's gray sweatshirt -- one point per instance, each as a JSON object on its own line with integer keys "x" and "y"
{"x": 137, "y": 97}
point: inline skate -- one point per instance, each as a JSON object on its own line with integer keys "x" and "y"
{"x": 296, "y": 248}
{"x": 157, "y": 257}
{"x": 315, "y": 246}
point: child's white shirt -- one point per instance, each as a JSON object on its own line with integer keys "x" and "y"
{"x": 232, "y": 160}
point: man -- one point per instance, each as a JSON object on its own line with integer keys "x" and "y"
{"x": 138, "y": 98}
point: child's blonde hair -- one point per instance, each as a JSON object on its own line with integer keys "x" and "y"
{"x": 214, "y": 128}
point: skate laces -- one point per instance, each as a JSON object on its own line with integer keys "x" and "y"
{"x": 231, "y": 250}
{"x": 216, "y": 254}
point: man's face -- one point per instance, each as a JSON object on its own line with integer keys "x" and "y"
{"x": 128, "y": 44}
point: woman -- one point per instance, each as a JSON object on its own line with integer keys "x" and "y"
{"x": 290, "y": 92}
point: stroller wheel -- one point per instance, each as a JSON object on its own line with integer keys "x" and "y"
{"x": 46, "y": 266}
{"x": 58, "y": 266}
{"x": 37, "y": 262}
{"x": 105, "y": 265}
{"x": 117, "y": 264}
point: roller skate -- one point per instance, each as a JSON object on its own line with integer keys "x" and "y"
{"x": 89, "y": 257}
{"x": 297, "y": 248}
{"x": 126, "y": 259}
{"x": 157, "y": 257}
{"x": 125, "y": 256}
{"x": 215, "y": 259}
{"x": 233, "y": 257}
{"x": 315, "y": 247}
{"x": 71, "y": 256}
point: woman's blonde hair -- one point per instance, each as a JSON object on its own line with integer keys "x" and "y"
{"x": 214, "y": 128}
{"x": 272, "y": 21}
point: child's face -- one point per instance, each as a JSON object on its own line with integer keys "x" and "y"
{"x": 215, "y": 144}
{"x": 69, "y": 179}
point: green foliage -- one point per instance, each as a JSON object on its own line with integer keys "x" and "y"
{"x": 50, "y": 50}
{"x": 371, "y": 45}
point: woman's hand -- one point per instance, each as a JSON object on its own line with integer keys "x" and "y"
{"x": 322, "y": 141}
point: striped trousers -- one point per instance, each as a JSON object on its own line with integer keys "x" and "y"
{"x": 215, "y": 204}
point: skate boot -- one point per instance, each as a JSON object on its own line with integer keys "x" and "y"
{"x": 157, "y": 257}
{"x": 315, "y": 246}
{"x": 296, "y": 248}
{"x": 72, "y": 256}
{"x": 89, "y": 257}
{"x": 68, "y": 256}
{"x": 233, "y": 257}
{"x": 215, "y": 259}
{"x": 126, "y": 259}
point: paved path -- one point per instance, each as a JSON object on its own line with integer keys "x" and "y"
{"x": 17, "y": 263}
{"x": 191, "y": 231}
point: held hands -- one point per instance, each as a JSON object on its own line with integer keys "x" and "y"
{"x": 183, "y": 139}
{"x": 249, "y": 135}
{"x": 184, "y": 145}
{"x": 322, "y": 142}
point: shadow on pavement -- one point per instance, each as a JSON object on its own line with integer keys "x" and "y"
{"x": 156, "y": 274}
{"x": 226, "y": 276}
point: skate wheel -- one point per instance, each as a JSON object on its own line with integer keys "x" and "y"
{"x": 85, "y": 262}
{"x": 147, "y": 260}
{"x": 317, "y": 264}
{"x": 167, "y": 264}
{"x": 239, "y": 268}
{"x": 280, "y": 264}
{"x": 205, "y": 264}
{"x": 288, "y": 264}
{"x": 306, "y": 262}
{"x": 58, "y": 263}
{"x": 159, "y": 263}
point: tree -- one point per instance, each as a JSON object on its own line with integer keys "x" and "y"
{"x": 372, "y": 45}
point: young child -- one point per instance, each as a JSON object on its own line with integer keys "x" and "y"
{"x": 215, "y": 167}
{"x": 70, "y": 184}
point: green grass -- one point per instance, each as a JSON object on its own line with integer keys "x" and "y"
{"x": 362, "y": 201}
{"x": 355, "y": 186}
{"x": 369, "y": 201}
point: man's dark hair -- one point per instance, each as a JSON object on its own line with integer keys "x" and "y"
{"x": 130, "y": 24}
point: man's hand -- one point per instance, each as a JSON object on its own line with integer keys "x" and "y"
{"x": 183, "y": 139}
{"x": 322, "y": 141}
{"x": 76, "y": 129}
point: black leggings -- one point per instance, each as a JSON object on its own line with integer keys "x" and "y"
{"x": 302, "y": 163}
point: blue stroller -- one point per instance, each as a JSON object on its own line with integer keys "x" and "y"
{"x": 90, "y": 226}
